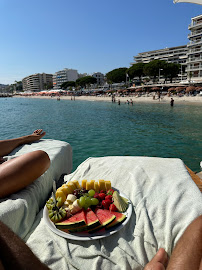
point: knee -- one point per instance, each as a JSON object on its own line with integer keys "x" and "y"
{"x": 43, "y": 158}
{"x": 198, "y": 222}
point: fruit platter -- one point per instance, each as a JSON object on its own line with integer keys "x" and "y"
{"x": 87, "y": 211}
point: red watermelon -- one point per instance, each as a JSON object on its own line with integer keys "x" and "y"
{"x": 105, "y": 217}
{"x": 74, "y": 221}
{"x": 91, "y": 222}
{"x": 120, "y": 217}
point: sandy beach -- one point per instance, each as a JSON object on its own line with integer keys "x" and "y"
{"x": 135, "y": 99}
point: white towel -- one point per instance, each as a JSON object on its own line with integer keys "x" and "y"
{"x": 165, "y": 201}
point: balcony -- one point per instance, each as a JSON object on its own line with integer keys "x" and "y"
{"x": 193, "y": 51}
{"x": 195, "y": 25}
{"x": 193, "y": 43}
{"x": 194, "y": 68}
{"x": 194, "y": 59}
{"x": 194, "y": 33}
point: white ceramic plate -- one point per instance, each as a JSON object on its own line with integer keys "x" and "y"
{"x": 86, "y": 236}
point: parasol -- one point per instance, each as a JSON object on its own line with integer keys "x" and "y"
{"x": 190, "y": 89}
{"x": 179, "y": 88}
{"x": 171, "y": 89}
{"x": 199, "y": 2}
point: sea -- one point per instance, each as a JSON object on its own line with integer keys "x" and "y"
{"x": 97, "y": 129}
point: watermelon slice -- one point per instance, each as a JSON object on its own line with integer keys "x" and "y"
{"x": 120, "y": 217}
{"x": 75, "y": 221}
{"x": 91, "y": 222}
{"x": 105, "y": 218}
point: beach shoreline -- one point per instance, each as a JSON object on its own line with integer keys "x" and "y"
{"x": 135, "y": 99}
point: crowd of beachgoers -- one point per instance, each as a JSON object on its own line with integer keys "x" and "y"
{"x": 120, "y": 98}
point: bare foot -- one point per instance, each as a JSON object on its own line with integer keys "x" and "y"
{"x": 159, "y": 261}
{"x": 35, "y": 136}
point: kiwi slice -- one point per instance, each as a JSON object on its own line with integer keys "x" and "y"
{"x": 55, "y": 212}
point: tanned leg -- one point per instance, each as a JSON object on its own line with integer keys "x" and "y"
{"x": 187, "y": 255}
{"x": 21, "y": 171}
{"x": 7, "y": 146}
{"x": 15, "y": 254}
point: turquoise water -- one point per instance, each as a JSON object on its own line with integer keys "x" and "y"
{"x": 101, "y": 129}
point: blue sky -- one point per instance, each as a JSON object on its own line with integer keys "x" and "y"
{"x": 48, "y": 35}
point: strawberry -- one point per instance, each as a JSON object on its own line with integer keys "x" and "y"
{"x": 102, "y": 196}
{"x": 110, "y": 191}
{"x": 96, "y": 195}
{"x": 108, "y": 197}
{"x": 102, "y": 191}
{"x": 106, "y": 204}
{"x": 113, "y": 208}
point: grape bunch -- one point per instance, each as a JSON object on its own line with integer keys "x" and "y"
{"x": 87, "y": 199}
{"x": 79, "y": 192}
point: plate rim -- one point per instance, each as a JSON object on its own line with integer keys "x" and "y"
{"x": 95, "y": 235}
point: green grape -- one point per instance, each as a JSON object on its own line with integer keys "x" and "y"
{"x": 82, "y": 201}
{"x": 87, "y": 202}
{"x": 91, "y": 192}
{"x": 94, "y": 201}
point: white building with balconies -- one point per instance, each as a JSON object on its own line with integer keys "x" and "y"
{"x": 99, "y": 77}
{"x": 37, "y": 82}
{"x": 176, "y": 55}
{"x": 64, "y": 75}
{"x": 194, "y": 54}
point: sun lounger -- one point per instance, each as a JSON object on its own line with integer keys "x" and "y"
{"x": 197, "y": 180}
{"x": 19, "y": 211}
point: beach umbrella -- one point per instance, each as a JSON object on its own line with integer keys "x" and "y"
{"x": 171, "y": 89}
{"x": 199, "y": 2}
{"x": 155, "y": 88}
{"x": 132, "y": 89}
{"x": 179, "y": 88}
{"x": 190, "y": 89}
{"x": 198, "y": 88}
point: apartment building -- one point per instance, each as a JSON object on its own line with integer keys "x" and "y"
{"x": 99, "y": 76}
{"x": 194, "y": 54}
{"x": 176, "y": 55}
{"x": 37, "y": 82}
{"x": 64, "y": 75}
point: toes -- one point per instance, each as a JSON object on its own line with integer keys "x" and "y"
{"x": 38, "y": 131}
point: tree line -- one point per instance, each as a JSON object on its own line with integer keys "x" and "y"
{"x": 82, "y": 82}
{"x": 150, "y": 71}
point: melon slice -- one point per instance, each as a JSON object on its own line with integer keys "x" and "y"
{"x": 118, "y": 220}
{"x": 74, "y": 221}
{"x": 91, "y": 222}
{"x": 105, "y": 218}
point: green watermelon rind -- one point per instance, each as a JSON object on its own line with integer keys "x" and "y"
{"x": 116, "y": 221}
{"x": 87, "y": 227}
{"x": 103, "y": 224}
{"x": 76, "y": 224}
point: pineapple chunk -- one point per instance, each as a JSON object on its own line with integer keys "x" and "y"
{"x": 108, "y": 185}
{"x": 83, "y": 183}
{"x": 96, "y": 187}
{"x": 88, "y": 185}
{"x": 102, "y": 185}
